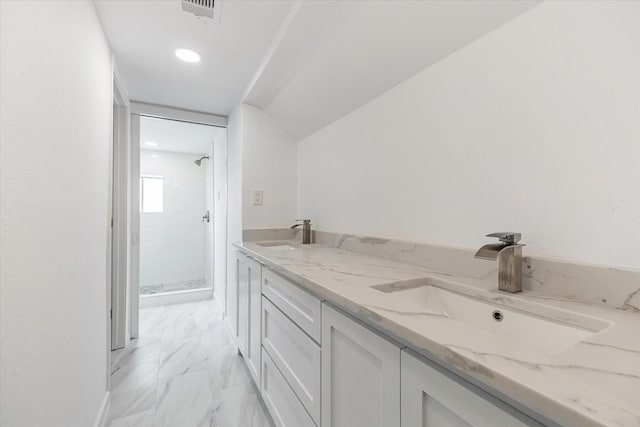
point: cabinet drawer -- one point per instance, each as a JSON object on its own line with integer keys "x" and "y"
{"x": 284, "y": 407}
{"x": 301, "y": 307}
{"x": 295, "y": 354}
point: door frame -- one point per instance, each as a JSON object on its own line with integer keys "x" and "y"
{"x": 119, "y": 215}
{"x": 134, "y": 223}
{"x": 143, "y": 109}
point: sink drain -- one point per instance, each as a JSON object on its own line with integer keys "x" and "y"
{"x": 497, "y": 315}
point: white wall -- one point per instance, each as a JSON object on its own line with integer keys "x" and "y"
{"x": 260, "y": 157}
{"x": 268, "y": 164}
{"x": 234, "y": 189}
{"x": 532, "y": 128}
{"x": 55, "y": 115}
{"x": 172, "y": 243}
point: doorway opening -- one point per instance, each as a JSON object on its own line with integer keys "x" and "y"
{"x": 178, "y": 162}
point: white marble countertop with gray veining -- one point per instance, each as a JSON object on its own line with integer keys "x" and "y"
{"x": 594, "y": 382}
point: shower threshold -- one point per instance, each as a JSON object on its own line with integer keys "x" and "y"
{"x": 163, "y": 288}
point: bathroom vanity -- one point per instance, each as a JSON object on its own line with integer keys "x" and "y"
{"x": 338, "y": 338}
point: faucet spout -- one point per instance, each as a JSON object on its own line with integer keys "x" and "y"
{"x": 490, "y": 251}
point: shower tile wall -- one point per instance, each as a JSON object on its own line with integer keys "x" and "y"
{"x": 172, "y": 243}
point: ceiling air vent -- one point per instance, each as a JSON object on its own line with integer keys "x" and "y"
{"x": 198, "y": 7}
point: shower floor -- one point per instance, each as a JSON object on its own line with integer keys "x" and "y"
{"x": 173, "y": 287}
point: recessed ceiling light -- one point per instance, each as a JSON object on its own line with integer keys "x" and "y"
{"x": 155, "y": 156}
{"x": 151, "y": 144}
{"x": 187, "y": 55}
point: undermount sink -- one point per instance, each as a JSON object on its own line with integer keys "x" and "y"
{"x": 547, "y": 329}
{"x": 276, "y": 244}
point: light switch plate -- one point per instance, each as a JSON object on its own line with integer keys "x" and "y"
{"x": 257, "y": 197}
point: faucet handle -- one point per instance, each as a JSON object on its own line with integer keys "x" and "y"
{"x": 305, "y": 221}
{"x": 507, "y": 237}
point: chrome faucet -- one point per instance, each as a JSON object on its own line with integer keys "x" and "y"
{"x": 509, "y": 255}
{"x": 306, "y": 230}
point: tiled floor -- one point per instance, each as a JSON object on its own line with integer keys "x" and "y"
{"x": 183, "y": 371}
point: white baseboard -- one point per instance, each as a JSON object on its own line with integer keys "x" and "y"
{"x": 103, "y": 412}
{"x": 175, "y": 297}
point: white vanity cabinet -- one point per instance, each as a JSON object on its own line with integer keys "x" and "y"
{"x": 360, "y": 374}
{"x": 319, "y": 367}
{"x": 249, "y": 312}
{"x": 431, "y": 398}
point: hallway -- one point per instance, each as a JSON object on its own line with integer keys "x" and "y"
{"x": 183, "y": 371}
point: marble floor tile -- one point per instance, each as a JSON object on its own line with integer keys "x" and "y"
{"x": 133, "y": 401}
{"x": 225, "y": 374}
{"x": 240, "y": 409}
{"x": 183, "y": 370}
{"x": 188, "y": 324}
{"x": 219, "y": 333}
{"x": 134, "y": 375}
{"x": 152, "y": 321}
{"x": 145, "y": 348}
{"x": 226, "y": 369}
{"x": 180, "y": 357}
{"x": 185, "y": 401}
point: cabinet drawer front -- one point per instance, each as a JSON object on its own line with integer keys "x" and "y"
{"x": 432, "y": 398}
{"x": 284, "y": 407}
{"x": 295, "y": 354}
{"x": 301, "y": 307}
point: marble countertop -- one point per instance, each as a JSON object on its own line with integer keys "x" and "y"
{"x": 595, "y": 382}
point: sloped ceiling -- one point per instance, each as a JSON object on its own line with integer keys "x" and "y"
{"x": 329, "y": 58}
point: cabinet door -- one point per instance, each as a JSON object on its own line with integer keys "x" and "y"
{"x": 360, "y": 375}
{"x": 432, "y": 399}
{"x": 243, "y": 303}
{"x": 253, "y": 350}
{"x": 232, "y": 298}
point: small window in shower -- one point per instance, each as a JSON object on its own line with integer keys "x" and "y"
{"x": 151, "y": 194}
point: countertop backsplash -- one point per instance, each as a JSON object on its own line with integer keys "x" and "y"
{"x": 547, "y": 277}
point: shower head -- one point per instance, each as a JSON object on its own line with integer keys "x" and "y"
{"x": 199, "y": 161}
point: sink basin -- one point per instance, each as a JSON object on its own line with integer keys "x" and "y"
{"x": 276, "y": 244}
{"x": 547, "y": 329}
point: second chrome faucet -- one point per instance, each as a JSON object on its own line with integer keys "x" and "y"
{"x": 306, "y": 230}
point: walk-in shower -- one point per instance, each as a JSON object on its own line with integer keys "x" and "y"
{"x": 176, "y": 243}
